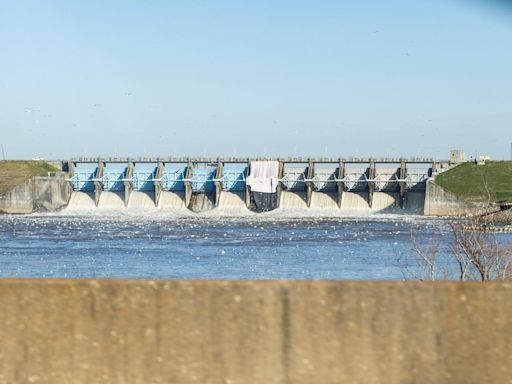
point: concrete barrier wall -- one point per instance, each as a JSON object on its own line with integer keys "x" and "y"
{"x": 38, "y": 194}
{"x": 81, "y": 331}
{"x": 440, "y": 202}
{"x": 18, "y": 199}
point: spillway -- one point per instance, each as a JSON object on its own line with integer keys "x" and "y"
{"x": 172, "y": 201}
{"x": 355, "y": 202}
{"x": 201, "y": 202}
{"x": 231, "y": 204}
{"x": 385, "y": 201}
{"x": 232, "y": 201}
{"x": 293, "y": 201}
{"x": 234, "y": 187}
{"x": 111, "y": 201}
{"x": 415, "y": 203}
{"x": 141, "y": 201}
{"x": 324, "y": 201}
{"x": 81, "y": 201}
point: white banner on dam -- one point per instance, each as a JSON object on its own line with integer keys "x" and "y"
{"x": 264, "y": 176}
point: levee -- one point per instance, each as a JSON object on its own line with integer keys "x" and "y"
{"x": 84, "y": 331}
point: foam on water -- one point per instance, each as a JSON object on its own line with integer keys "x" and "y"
{"x": 257, "y": 247}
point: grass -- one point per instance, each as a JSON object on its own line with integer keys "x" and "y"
{"x": 479, "y": 182}
{"x": 14, "y": 172}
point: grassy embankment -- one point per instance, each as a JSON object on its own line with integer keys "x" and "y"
{"x": 479, "y": 183}
{"x": 14, "y": 173}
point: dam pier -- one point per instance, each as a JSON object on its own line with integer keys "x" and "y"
{"x": 258, "y": 185}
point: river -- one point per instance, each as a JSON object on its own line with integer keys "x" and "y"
{"x": 377, "y": 247}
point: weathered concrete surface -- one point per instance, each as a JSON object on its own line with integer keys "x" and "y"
{"x": 65, "y": 331}
{"x": 440, "y": 202}
{"x": 38, "y": 194}
{"x": 18, "y": 199}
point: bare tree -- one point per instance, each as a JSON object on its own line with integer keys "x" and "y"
{"x": 479, "y": 253}
{"x": 476, "y": 253}
{"x": 426, "y": 265}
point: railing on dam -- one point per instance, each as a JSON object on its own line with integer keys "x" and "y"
{"x": 143, "y": 177}
{"x": 173, "y": 176}
{"x": 214, "y": 176}
{"x": 203, "y": 175}
{"x": 234, "y": 176}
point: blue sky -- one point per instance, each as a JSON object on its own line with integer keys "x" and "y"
{"x": 247, "y": 78}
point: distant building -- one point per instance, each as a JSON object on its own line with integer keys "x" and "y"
{"x": 483, "y": 159}
{"x": 457, "y": 156}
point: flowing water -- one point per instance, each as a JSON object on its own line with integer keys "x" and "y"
{"x": 163, "y": 244}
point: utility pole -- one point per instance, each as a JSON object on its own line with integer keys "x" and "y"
{"x": 3, "y": 152}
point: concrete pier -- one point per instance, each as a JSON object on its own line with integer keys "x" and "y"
{"x": 98, "y": 186}
{"x": 101, "y": 331}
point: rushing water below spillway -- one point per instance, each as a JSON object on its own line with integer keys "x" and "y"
{"x": 143, "y": 247}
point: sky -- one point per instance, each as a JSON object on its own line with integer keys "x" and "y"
{"x": 255, "y": 78}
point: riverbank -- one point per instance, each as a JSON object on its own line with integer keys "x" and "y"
{"x": 15, "y": 172}
{"x": 486, "y": 183}
{"x": 32, "y": 186}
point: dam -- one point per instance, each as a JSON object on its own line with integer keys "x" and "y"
{"x": 237, "y": 186}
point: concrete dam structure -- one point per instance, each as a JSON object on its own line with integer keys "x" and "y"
{"x": 353, "y": 186}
